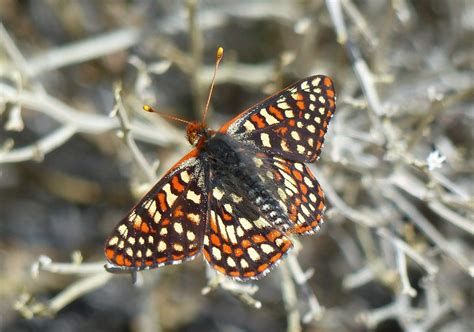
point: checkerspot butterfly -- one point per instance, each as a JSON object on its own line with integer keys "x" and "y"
{"x": 240, "y": 194}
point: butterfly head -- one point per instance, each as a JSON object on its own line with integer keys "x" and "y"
{"x": 196, "y": 133}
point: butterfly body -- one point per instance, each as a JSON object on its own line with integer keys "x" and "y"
{"x": 240, "y": 194}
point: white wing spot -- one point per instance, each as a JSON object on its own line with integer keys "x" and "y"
{"x": 253, "y": 254}
{"x": 266, "y": 248}
{"x": 123, "y": 230}
{"x": 170, "y": 197}
{"x": 249, "y": 125}
{"x": 191, "y": 195}
{"x": 295, "y": 135}
{"x": 265, "y": 140}
{"x": 218, "y": 194}
{"x": 178, "y": 227}
{"x": 245, "y": 223}
{"x": 268, "y": 117}
{"x": 289, "y": 114}
{"x": 230, "y": 262}
{"x": 300, "y": 149}
{"x": 161, "y": 246}
{"x": 185, "y": 176}
{"x": 190, "y": 235}
{"x": 113, "y": 241}
{"x": 216, "y": 253}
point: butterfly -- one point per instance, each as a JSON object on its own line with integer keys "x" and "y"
{"x": 240, "y": 194}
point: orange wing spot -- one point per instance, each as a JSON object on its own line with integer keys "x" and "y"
{"x": 298, "y": 202}
{"x": 176, "y": 184}
{"x": 215, "y": 240}
{"x": 109, "y": 253}
{"x": 275, "y": 257}
{"x": 162, "y": 201}
{"x": 226, "y": 217}
{"x": 293, "y": 213}
{"x": 330, "y": 93}
{"x": 138, "y": 263}
{"x": 260, "y": 155}
{"x": 286, "y": 169}
{"x": 246, "y": 244}
{"x": 297, "y": 175}
{"x": 161, "y": 260}
{"x": 262, "y": 267}
{"x": 219, "y": 268}
{"x": 148, "y": 262}
{"x": 281, "y": 131}
{"x": 321, "y": 133}
{"x": 325, "y": 124}
{"x": 321, "y": 206}
{"x": 291, "y": 123}
{"x": 286, "y": 246}
{"x": 227, "y": 249}
{"x": 177, "y": 257}
{"x": 275, "y": 112}
{"x": 331, "y": 104}
{"x": 165, "y": 222}
{"x": 318, "y": 217}
{"x": 258, "y": 121}
{"x": 258, "y": 238}
{"x": 300, "y": 105}
{"x": 145, "y": 228}
{"x": 318, "y": 145}
{"x": 273, "y": 235}
{"x": 303, "y": 188}
{"x": 238, "y": 252}
{"x": 193, "y": 252}
{"x": 206, "y": 255}
{"x": 119, "y": 259}
{"x": 277, "y": 176}
{"x": 127, "y": 262}
{"x": 327, "y": 82}
{"x": 213, "y": 224}
{"x": 299, "y": 96}
{"x": 234, "y": 273}
{"x": 249, "y": 274}
{"x": 178, "y": 212}
{"x": 314, "y": 223}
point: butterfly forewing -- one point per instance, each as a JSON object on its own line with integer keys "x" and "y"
{"x": 167, "y": 226}
{"x": 291, "y": 123}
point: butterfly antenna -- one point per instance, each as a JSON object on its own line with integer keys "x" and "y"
{"x": 219, "y": 55}
{"x": 150, "y": 109}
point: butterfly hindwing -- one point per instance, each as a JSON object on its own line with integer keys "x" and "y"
{"x": 167, "y": 226}
{"x": 239, "y": 242}
{"x": 291, "y": 123}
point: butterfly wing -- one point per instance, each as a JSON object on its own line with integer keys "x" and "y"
{"x": 291, "y": 123}
{"x": 298, "y": 190}
{"x": 167, "y": 226}
{"x": 239, "y": 242}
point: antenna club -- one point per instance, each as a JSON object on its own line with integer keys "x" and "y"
{"x": 220, "y": 53}
{"x": 147, "y": 108}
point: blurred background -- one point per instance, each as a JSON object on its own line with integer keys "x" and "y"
{"x": 77, "y": 151}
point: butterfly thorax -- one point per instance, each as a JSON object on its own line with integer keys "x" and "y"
{"x": 235, "y": 168}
